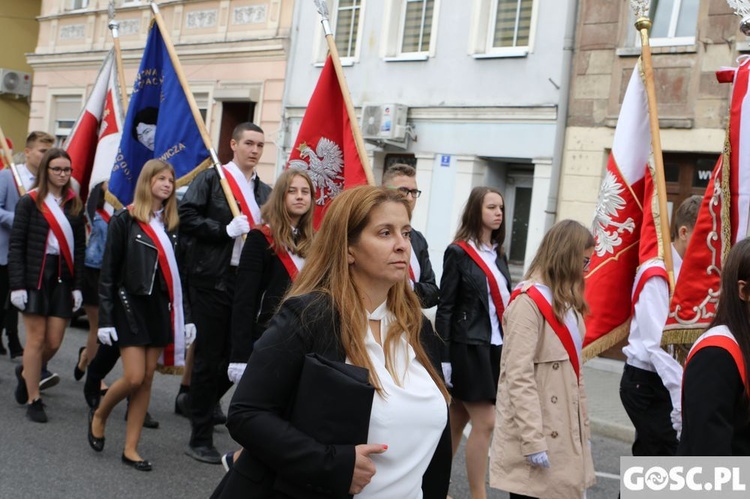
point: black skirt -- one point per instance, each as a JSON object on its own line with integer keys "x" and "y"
{"x": 475, "y": 371}
{"x": 143, "y": 320}
{"x": 90, "y": 289}
{"x": 55, "y": 297}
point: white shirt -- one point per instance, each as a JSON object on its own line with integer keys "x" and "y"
{"x": 644, "y": 342}
{"x": 410, "y": 418}
{"x": 238, "y": 241}
{"x": 53, "y": 245}
{"x": 489, "y": 255}
{"x": 27, "y": 179}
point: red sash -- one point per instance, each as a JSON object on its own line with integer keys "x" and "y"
{"x": 727, "y": 344}
{"x": 240, "y": 196}
{"x": 497, "y": 298}
{"x": 282, "y": 253}
{"x": 106, "y": 216}
{"x": 560, "y": 329}
{"x": 56, "y": 226}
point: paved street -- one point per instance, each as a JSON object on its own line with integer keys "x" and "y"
{"x": 54, "y": 460}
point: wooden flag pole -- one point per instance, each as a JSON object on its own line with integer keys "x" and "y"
{"x": 9, "y": 157}
{"x": 643, "y": 25}
{"x": 234, "y": 208}
{"x": 358, "y": 140}
{"x": 114, "y": 26}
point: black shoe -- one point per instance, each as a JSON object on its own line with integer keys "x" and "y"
{"x": 35, "y": 411}
{"x": 148, "y": 421}
{"x": 219, "y": 418}
{"x": 182, "y": 404}
{"x": 48, "y": 380}
{"x": 78, "y": 373}
{"x": 138, "y": 465}
{"x": 96, "y": 443}
{"x": 204, "y": 454}
{"x": 22, "y": 395}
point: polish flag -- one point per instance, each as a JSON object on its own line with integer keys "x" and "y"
{"x": 617, "y": 225}
{"x": 96, "y": 134}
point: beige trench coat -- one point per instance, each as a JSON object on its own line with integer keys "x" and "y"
{"x": 540, "y": 407}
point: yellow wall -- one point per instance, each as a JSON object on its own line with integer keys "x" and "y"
{"x": 18, "y": 35}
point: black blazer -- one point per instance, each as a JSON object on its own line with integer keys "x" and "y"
{"x": 426, "y": 288}
{"x": 463, "y": 312}
{"x": 715, "y": 410}
{"x": 262, "y": 281}
{"x": 277, "y": 455}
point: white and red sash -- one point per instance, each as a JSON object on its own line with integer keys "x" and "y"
{"x": 292, "y": 263}
{"x": 415, "y": 270}
{"x": 240, "y": 187}
{"x": 567, "y": 332}
{"x": 174, "y": 353}
{"x": 495, "y": 293}
{"x": 720, "y": 336}
{"x": 653, "y": 268}
{"x": 59, "y": 225}
{"x": 106, "y": 212}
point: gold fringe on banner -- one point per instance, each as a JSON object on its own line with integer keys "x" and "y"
{"x": 680, "y": 336}
{"x": 186, "y": 179}
{"x": 176, "y": 370}
{"x": 606, "y": 342}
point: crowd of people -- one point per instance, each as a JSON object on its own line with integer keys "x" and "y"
{"x": 343, "y": 386}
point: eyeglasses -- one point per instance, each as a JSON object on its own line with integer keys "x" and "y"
{"x": 58, "y": 170}
{"x": 415, "y": 193}
{"x": 586, "y": 263}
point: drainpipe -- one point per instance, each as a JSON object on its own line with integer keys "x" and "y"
{"x": 562, "y": 113}
{"x": 281, "y": 153}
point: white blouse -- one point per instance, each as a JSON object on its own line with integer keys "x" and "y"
{"x": 409, "y": 418}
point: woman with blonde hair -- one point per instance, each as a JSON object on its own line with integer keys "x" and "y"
{"x": 141, "y": 306}
{"x": 45, "y": 265}
{"x": 474, "y": 291}
{"x": 541, "y": 445}
{"x": 341, "y": 383}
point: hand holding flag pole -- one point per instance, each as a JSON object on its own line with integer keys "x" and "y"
{"x": 11, "y": 165}
{"x": 234, "y": 208}
{"x": 358, "y": 140}
{"x": 643, "y": 25}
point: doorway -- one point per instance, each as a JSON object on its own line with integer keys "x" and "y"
{"x": 232, "y": 114}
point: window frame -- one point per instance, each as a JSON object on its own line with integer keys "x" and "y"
{"x": 490, "y": 37}
{"x": 402, "y": 28}
{"x": 354, "y": 57}
{"x": 668, "y": 41}
{"x": 85, "y": 4}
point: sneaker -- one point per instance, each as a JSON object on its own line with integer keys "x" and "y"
{"x": 35, "y": 411}
{"x": 48, "y": 380}
{"x": 182, "y": 404}
{"x": 227, "y": 460}
{"x": 204, "y": 454}
{"x": 22, "y": 395}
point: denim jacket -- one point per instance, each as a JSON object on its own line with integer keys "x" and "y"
{"x": 97, "y": 241}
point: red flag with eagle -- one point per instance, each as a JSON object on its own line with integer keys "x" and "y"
{"x": 325, "y": 146}
{"x": 93, "y": 143}
{"x": 618, "y": 222}
{"x": 722, "y": 220}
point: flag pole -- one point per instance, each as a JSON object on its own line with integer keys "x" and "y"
{"x": 114, "y": 26}
{"x": 233, "y": 207}
{"x": 9, "y": 157}
{"x": 358, "y": 140}
{"x": 643, "y": 25}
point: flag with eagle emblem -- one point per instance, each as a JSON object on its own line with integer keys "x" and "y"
{"x": 325, "y": 147}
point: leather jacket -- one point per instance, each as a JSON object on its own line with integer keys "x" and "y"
{"x": 204, "y": 216}
{"x": 131, "y": 267}
{"x": 426, "y": 289}
{"x": 463, "y": 312}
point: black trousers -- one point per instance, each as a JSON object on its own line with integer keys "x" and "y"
{"x": 103, "y": 362}
{"x": 8, "y": 313}
{"x": 519, "y": 496}
{"x": 649, "y": 407}
{"x": 212, "y": 316}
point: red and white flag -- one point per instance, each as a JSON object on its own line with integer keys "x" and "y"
{"x": 96, "y": 134}
{"x": 325, "y": 147}
{"x": 617, "y": 225}
{"x": 722, "y": 220}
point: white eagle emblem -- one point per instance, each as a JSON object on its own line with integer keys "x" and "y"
{"x": 606, "y": 230}
{"x": 324, "y": 166}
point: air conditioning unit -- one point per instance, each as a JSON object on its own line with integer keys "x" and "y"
{"x": 384, "y": 122}
{"x": 15, "y": 82}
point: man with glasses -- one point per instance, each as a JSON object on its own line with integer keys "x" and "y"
{"x": 403, "y": 178}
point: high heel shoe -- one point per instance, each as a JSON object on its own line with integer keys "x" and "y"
{"x": 138, "y": 465}
{"x": 96, "y": 443}
{"x": 78, "y": 372}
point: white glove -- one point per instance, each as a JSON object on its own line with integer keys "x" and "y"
{"x": 235, "y": 371}
{"x": 447, "y": 371}
{"x": 77, "y": 300}
{"x": 19, "y": 298}
{"x": 238, "y": 226}
{"x": 190, "y": 332}
{"x": 677, "y": 421}
{"x": 538, "y": 459}
{"x": 107, "y": 335}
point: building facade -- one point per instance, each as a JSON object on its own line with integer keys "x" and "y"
{"x": 469, "y": 92}
{"x": 233, "y": 53}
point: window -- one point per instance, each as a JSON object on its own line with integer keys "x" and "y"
{"x": 64, "y": 112}
{"x": 201, "y": 100}
{"x": 416, "y": 27}
{"x": 511, "y": 25}
{"x": 78, "y": 4}
{"x": 346, "y": 33}
{"x": 674, "y": 22}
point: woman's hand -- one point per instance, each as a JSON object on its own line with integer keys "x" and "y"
{"x": 19, "y": 298}
{"x": 77, "y": 300}
{"x": 539, "y": 459}
{"x": 364, "y": 468}
{"x": 107, "y": 335}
